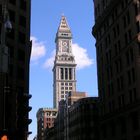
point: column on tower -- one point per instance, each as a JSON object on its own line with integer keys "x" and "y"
{"x": 73, "y": 73}
{"x": 64, "y": 73}
{"x": 57, "y": 73}
{"x": 68, "y": 72}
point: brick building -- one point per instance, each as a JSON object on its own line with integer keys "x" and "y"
{"x": 45, "y": 120}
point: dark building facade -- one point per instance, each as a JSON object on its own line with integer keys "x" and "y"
{"x": 14, "y": 84}
{"x": 82, "y": 120}
{"x": 79, "y": 121}
{"x": 117, "y": 33}
{"x": 50, "y": 134}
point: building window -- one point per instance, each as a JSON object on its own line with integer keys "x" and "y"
{"x": 128, "y": 17}
{"x": 104, "y": 131}
{"x": 21, "y": 55}
{"x": 70, "y": 84}
{"x": 20, "y": 73}
{"x": 108, "y": 56}
{"x": 118, "y": 29}
{"x": 66, "y": 73}
{"x": 11, "y": 50}
{"x": 113, "y": 128}
{"x": 110, "y": 89}
{"x": 117, "y": 47}
{"x": 131, "y": 76}
{"x": 122, "y": 125}
{"x": 22, "y": 38}
{"x": 66, "y": 88}
{"x": 62, "y": 74}
{"x": 126, "y": 38}
{"x": 124, "y": 22}
{"x": 0, "y": 12}
{"x": 120, "y": 83}
{"x": 111, "y": 106}
{"x": 138, "y": 26}
{"x": 70, "y": 73}
{"x": 22, "y": 21}
{"x": 66, "y": 84}
{"x": 130, "y": 35}
{"x": 121, "y": 100}
{"x": 12, "y": 15}
{"x": 98, "y": 9}
{"x": 132, "y": 95}
{"x": 129, "y": 56}
{"x": 118, "y": 64}
{"x": 10, "y": 69}
{"x": 109, "y": 40}
{"x": 114, "y": 32}
{"x": 135, "y": 121}
{"x": 139, "y": 47}
{"x": 103, "y": 4}
{"x": 62, "y": 96}
{"x": 137, "y": 8}
{"x": 62, "y": 84}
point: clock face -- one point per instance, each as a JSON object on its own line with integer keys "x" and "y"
{"x": 65, "y": 46}
{"x": 64, "y": 43}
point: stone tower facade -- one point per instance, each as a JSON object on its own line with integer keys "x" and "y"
{"x": 64, "y": 77}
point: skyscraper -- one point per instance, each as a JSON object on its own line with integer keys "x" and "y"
{"x": 117, "y": 33}
{"x": 14, "y": 91}
{"x": 64, "y": 65}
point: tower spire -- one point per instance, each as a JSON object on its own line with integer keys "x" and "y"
{"x": 63, "y": 27}
{"x": 64, "y": 65}
{"x": 64, "y": 30}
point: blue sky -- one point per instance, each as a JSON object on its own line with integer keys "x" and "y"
{"x": 45, "y": 19}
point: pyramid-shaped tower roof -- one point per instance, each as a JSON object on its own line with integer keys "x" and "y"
{"x": 63, "y": 27}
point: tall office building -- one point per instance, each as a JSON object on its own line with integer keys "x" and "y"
{"x": 14, "y": 91}
{"x": 117, "y": 33}
{"x": 64, "y": 65}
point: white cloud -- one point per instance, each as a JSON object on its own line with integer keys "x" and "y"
{"x": 50, "y": 61}
{"x": 38, "y": 49}
{"x": 81, "y": 57}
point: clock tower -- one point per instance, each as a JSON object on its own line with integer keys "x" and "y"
{"x": 64, "y": 78}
